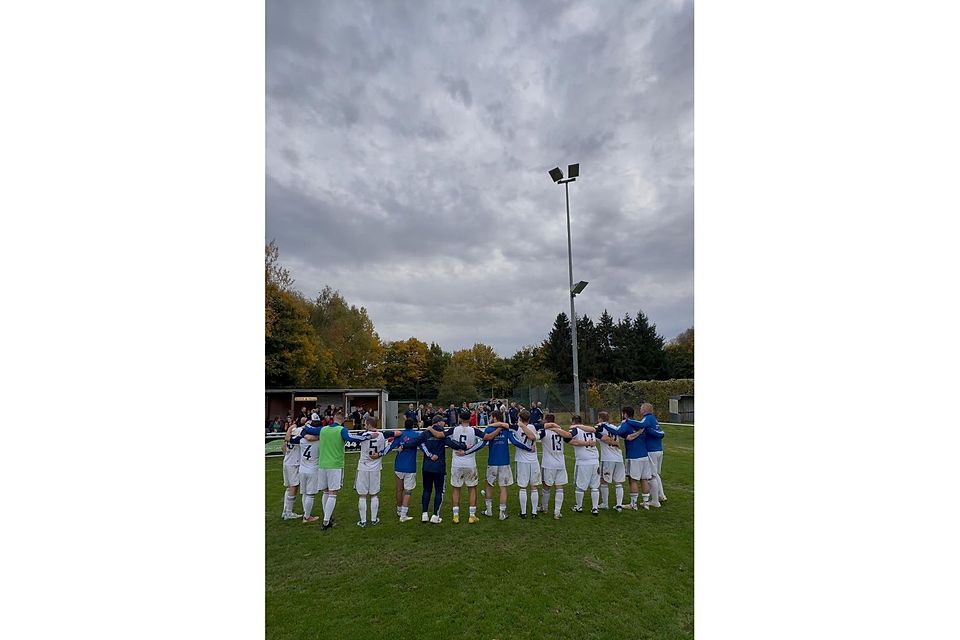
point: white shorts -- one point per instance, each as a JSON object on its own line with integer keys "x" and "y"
{"x": 612, "y": 472}
{"x": 291, "y": 475}
{"x": 367, "y": 482}
{"x": 330, "y": 479}
{"x": 528, "y": 473}
{"x": 587, "y": 476}
{"x": 409, "y": 479}
{"x": 309, "y": 482}
{"x": 461, "y": 475}
{"x": 501, "y": 472}
{"x": 656, "y": 461}
{"x": 639, "y": 468}
{"x": 554, "y": 477}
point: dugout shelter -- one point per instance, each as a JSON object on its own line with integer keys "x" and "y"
{"x": 280, "y": 402}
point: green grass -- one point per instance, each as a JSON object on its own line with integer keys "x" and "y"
{"x": 626, "y": 575}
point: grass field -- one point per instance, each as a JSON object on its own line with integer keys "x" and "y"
{"x": 616, "y": 575}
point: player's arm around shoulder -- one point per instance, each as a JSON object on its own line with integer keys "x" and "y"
{"x": 529, "y": 431}
{"x": 557, "y": 429}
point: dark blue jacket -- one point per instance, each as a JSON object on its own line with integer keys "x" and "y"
{"x": 430, "y": 445}
{"x": 636, "y": 448}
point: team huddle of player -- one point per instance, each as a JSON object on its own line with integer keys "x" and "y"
{"x": 314, "y": 461}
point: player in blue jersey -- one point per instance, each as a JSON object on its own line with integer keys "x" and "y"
{"x": 638, "y": 465}
{"x": 405, "y": 467}
{"x": 653, "y": 439}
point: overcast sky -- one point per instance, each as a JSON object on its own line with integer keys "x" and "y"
{"x": 408, "y": 145}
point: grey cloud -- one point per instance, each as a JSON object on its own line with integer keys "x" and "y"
{"x": 407, "y": 150}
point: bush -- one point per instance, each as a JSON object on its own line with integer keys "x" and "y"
{"x": 610, "y": 396}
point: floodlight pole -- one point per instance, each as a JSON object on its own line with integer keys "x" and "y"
{"x": 573, "y": 312}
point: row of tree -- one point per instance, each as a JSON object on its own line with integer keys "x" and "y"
{"x": 324, "y": 342}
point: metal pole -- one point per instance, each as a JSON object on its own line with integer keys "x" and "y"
{"x": 573, "y": 313}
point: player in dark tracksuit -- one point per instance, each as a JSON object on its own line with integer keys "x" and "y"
{"x": 434, "y": 468}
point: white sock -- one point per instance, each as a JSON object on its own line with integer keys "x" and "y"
{"x": 646, "y": 498}
{"x": 594, "y": 497}
{"x": 604, "y": 495}
{"x": 655, "y": 491}
{"x": 374, "y": 507}
{"x": 323, "y": 501}
{"x": 578, "y": 498}
{"x": 403, "y": 511}
{"x": 558, "y": 501}
{"x": 503, "y": 507}
{"x": 633, "y": 499}
{"x": 473, "y": 511}
{"x": 288, "y": 502}
{"x": 489, "y": 502}
{"x": 307, "y": 505}
{"x": 363, "y": 508}
{"x": 456, "y": 511}
{"x": 545, "y": 498}
{"x": 328, "y": 508}
{"x": 535, "y": 500}
{"x": 619, "y": 491}
{"x": 523, "y": 501}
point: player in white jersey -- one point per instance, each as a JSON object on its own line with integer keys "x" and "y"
{"x": 309, "y": 473}
{"x": 611, "y": 466}
{"x": 554, "y": 464}
{"x": 587, "y": 466}
{"x": 291, "y": 473}
{"x": 528, "y": 465}
{"x": 463, "y": 467}
{"x": 369, "y": 467}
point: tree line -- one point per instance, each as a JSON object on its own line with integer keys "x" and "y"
{"x": 325, "y": 342}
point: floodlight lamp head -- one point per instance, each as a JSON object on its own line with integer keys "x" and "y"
{"x": 573, "y": 171}
{"x": 579, "y": 287}
{"x": 556, "y": 174}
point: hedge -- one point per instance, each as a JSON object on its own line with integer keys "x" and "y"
{"x": 610, "y": 396}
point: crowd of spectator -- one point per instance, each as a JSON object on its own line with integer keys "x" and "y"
{"x": 480, "y": 414}
{"x": 317, "y": 415}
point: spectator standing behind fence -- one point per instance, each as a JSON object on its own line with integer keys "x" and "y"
{"x": 513, "y": 414}
{"x": 451, "y": 415}
{"x": 410, "y": 413}
{"x": 536, "y": 413}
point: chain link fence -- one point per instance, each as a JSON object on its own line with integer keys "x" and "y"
{"x": 554, "y": 398}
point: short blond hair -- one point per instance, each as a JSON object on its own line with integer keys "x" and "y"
{"x": 646, "y": 408}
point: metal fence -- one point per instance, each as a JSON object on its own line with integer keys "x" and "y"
{"x": 554, "y": 398}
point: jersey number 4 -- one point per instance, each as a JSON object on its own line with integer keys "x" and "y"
{"x": 306, "y": 452}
